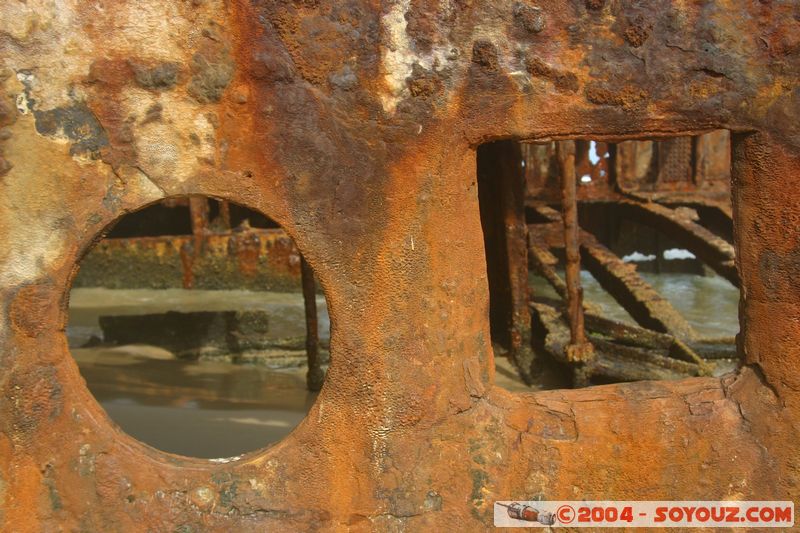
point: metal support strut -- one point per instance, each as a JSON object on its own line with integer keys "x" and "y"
{"x": 315, "y": 375}
{"x": 579, "y": 348}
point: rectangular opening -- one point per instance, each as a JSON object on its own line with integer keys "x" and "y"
{"x": 652, "y": 244}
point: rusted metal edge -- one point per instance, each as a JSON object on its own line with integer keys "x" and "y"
{"x": 315, "y": 375}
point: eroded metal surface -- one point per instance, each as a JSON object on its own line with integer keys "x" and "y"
{"x": 353, "y": 125}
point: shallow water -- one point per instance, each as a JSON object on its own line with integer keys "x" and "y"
{"x": 199, "y": 409}
{"x": 213, "y": 409}
{"x": 709, "y": 303}
{"x": 208, "y": 409}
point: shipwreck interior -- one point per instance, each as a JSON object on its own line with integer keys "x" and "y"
{"x": 622, "y": 218}
{"x": 534, "y": 251}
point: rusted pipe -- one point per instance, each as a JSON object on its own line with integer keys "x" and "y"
{"x": 198, "y": 208}
{"x": 516, "y": 248}
{"x": 579, "y": 348}
{"x": 198, "y": 212}
{"x": 225, "y": 213}
{"x": 315, "y": 376}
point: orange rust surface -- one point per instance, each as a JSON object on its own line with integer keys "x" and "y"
{"x": 354, "y": 124}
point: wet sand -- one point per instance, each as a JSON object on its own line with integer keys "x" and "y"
{"x": 199, "y": 409}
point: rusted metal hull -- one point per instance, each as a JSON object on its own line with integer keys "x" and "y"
{"x": 353, "y": 125}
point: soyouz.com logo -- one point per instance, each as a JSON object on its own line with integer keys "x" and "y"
{"x": 596, "y": 514}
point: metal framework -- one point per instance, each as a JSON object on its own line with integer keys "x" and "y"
{"x": 354, "y": 125}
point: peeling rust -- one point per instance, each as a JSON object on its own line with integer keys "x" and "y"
{"x": 355, "y": 126}
{"x": 162, "y": 76}
{"x": 484, "y": 53}
{"x": 77, "y": 123}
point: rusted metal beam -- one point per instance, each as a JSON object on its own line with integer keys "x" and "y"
{"x": 315, "y": 375}
{"x": 611, "y": 360}
{"x": 713, "y": 215}
{"x": 255, "y": 259}
{"x": 502, "y": 193}
{"x": 626, "y": 363}
{"x": 543, "y": 262}
{"x": 623, "y": 282}
{"x": 619, "y": 279}
{"x": 628, "y": 334}
{"x": 198, "y": 207}
{"x": 198, "y": 212}
{"x": 225, "y": 213}
{"x": 516, "y": 240}
{"x": 647, "y": 338}
{"x": 715, "y": 251}
{"x": 624, "y": 334}
{"x": 579, "y": 348}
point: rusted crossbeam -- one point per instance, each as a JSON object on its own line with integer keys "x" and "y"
{"x": 619, "y": 279}
{"x": 713, "y": 215}
{"x": 638, "y": 297}
{"x": 696, "y": 351}
{"x": 710, "y": 248}
{"x": 544, "y": 262}
{"x": 612, "y": 360}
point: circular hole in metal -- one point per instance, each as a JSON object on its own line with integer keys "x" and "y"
{"x": 192, "y": 320}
